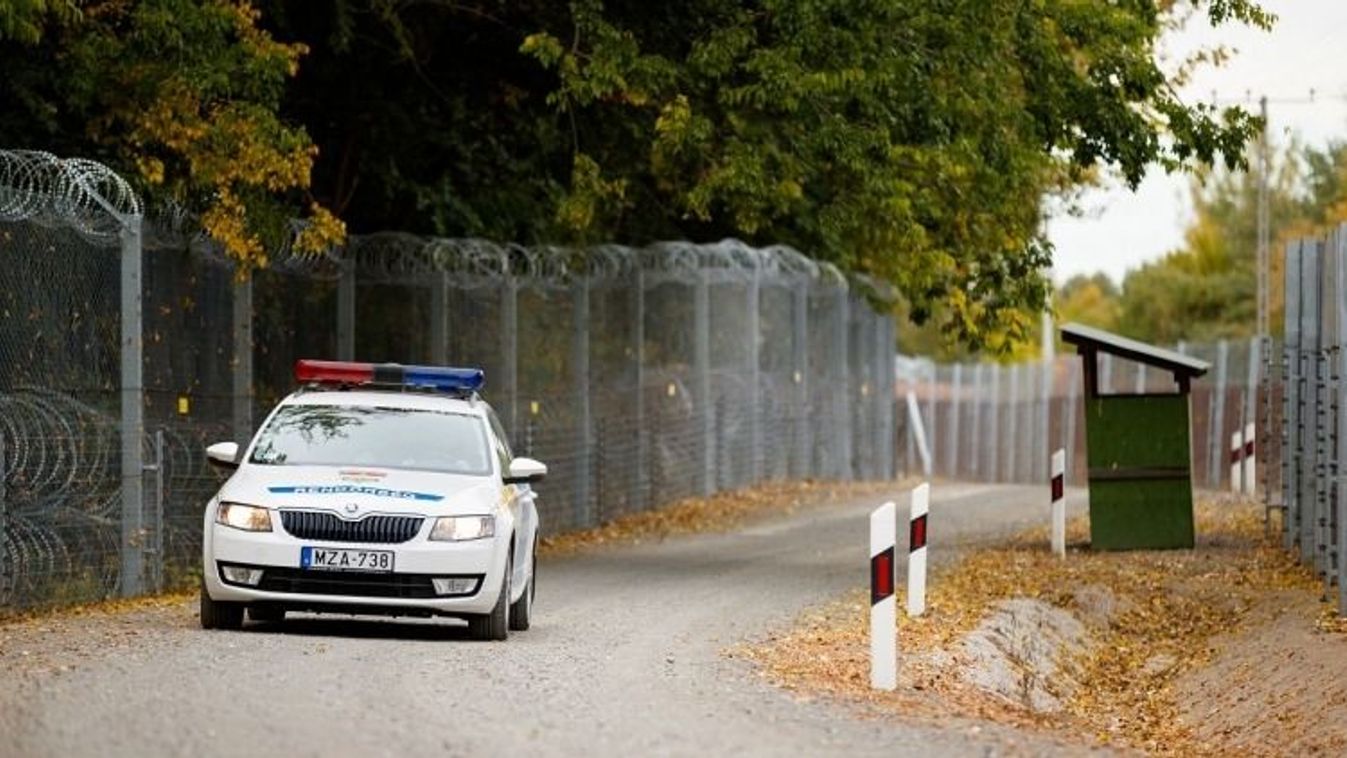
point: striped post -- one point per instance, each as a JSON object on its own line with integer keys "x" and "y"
{"x": 1236, "y": 461}
{"x": 1059, "y": 503}
{"x": 916, "y": 550}
{"x": 1250, "y": 459}
{"x": 883, "y": 606}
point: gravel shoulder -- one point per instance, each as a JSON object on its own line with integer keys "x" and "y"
{"x": 627, "y": 656}
{"x": 1276, "y": 687}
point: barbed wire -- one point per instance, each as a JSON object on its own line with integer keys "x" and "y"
{"x": 473, "y": 263}
{"x": 81, "y": 194}
{"x": 98, "y": 204}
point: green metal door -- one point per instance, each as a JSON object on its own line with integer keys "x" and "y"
{"x": 1141, "y": 493}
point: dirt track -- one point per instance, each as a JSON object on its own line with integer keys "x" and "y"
{"x": 626, "y": 657}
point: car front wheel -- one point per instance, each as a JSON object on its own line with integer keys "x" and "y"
{"x": 216, "y": 614}
{"x": 521, "y": 611}
{"x": 496, "y": 624}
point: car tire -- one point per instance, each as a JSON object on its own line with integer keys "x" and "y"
{"x": 521, "y": 611}
{"x": 217, "y": 614}
{"x": 266, "y": 614}
{"x": 496, "y": 624}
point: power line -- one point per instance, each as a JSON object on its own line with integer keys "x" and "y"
{"x": 1313, "y": 98}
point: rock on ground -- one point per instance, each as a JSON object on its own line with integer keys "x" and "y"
{"x": 1023, "y": 651}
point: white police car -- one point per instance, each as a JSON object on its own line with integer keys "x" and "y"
{"x": 374, "y": 489}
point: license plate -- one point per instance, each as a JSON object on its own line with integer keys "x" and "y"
{"x": 336, "y": 559}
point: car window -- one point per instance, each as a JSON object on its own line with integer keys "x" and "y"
{"x": 502, "y": 443}
{"x": 341, "y": 435}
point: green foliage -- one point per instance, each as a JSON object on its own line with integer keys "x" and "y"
{"x": 180, "y": 93}
{"x": 1090, "y": 300}
{"x": 23, "y": 20}
{"x": 1207, "y": 289}
{"x": 910, "y": 140}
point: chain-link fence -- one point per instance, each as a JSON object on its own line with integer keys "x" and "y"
{"x": 640, "y": 375}
{"x": 1313, "y": 366}
{"x": 999, "y": 423}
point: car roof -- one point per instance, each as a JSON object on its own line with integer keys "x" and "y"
{"x": 389, "y": 399}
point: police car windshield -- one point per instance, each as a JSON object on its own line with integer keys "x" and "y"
{"x": 350, "y": 435}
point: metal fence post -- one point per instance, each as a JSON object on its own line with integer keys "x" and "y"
{"x": 585, "y": 439}
{"x": 1069, "y": 435}
{"x": 1309, "y": 380}
{"x": 952, "y": 443}
{"x": 508, "y": 405}
{"x": 243, "y": 361}
{"x": 156, "y": 525}
{"x": 799, "y": 359}
{"x": 639, "y": 497}
{"x": 439, "y": 319}
{"x": 975, "y": 427}
{"x": 5, "y": 571}
{"x": 932, "y": 428}
{"x": 1264, "y": 430}
{"x": 1335, "y": 313}
{"x": 993, "y": 439}
{"x": 884, "y": 365}
{"x": 133, "y": 410}
{"x": 701, "y": 326}
{"x": 1340, "y": 481}
{"x": 754, "y": 332}
{"x": 843, "y": 396}
{"x": 1251, "y": 410}
{"x": 1028, "y": 424}
{"x": 1216, "y": 436}
{"x": 1012, "y": 437}
{"x": 1044, "y": 448}
{"x": 346, "y": 311}
{"x": 1322, "y": 411}
{"x": 1290, "y": 431}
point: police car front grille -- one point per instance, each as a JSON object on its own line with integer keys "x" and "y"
{"x": 316, "y": 525}
{"x": 352, "y": 583}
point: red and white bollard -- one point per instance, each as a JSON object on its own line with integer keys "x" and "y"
{"x": 1250, "y": 459}
{"x": 883, "y": 605}
{"x": 916, "y": 550}
{"x": 1059, "y": 503}
{"x": 1243, "y": 464}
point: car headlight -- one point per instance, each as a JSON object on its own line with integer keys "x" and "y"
{"x": 461, "y": 528}
{"x": 249, "y": 518}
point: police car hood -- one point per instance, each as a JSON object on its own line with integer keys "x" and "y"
{"x": 354, "y": 491}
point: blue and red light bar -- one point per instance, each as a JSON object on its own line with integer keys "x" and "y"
{"x": 441, "y": 378}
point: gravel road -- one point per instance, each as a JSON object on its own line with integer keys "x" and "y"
{"x": 626, "y": 657}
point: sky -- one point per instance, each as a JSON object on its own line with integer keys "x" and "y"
{"x": 1121, "y": 229}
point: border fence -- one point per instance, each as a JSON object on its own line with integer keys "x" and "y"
{"x": 641, "y": 375}
{"x": 993, "y": 422}
{"x": 1313, "y": 371}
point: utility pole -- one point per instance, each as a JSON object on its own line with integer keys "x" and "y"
{"x": 1264, "y": 168}
{"x": 1263, "y": 431}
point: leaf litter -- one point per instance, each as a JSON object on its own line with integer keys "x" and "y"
{"x": 1147, "y": 617}
{"x": 721, "y": 512}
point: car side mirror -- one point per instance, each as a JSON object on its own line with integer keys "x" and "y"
{"x": 525, "y": 471}
{"x": 223, "y": 454}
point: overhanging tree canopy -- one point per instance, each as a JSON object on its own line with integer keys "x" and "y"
{"x": 907, "y": 139}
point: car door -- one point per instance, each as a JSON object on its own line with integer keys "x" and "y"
{"x": 522, "y": 503}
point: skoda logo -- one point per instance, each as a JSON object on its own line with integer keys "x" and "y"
{"x": 351, "y": 508}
